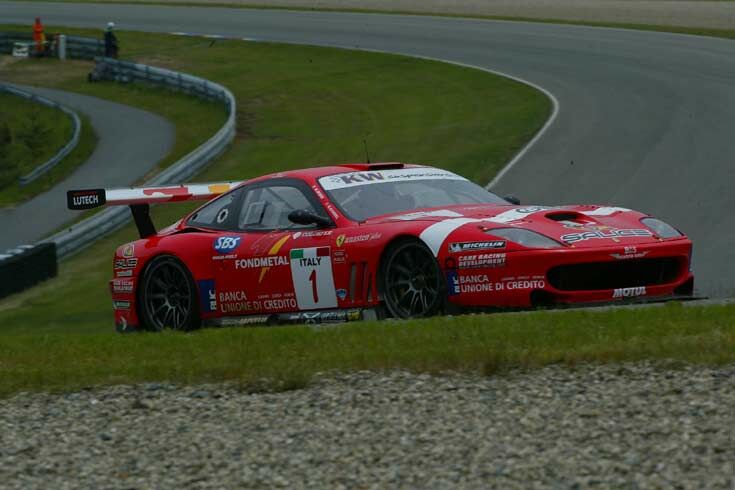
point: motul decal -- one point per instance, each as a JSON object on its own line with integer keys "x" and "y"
{"x": 629, "y": 292}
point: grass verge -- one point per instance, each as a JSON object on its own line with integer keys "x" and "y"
{"x": 694, "y": 31}
{"x": 288, "y": 357}
{"x": 30, "y": 134}
{"x": 298, "y": 106}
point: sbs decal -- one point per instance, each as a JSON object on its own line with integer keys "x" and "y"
{"x": 313, "y": 282}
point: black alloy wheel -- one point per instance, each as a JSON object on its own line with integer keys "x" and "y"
{"x": 168, "y": 296}
{"x": 411, "y": 280}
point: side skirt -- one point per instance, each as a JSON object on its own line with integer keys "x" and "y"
{"x": 315, "y": 317}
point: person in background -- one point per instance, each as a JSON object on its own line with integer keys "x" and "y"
{"x": 39, "y": 37}
{"x": 110, "y": 41}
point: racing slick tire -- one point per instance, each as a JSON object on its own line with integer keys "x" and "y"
{"x": 411, "y": 280}
{"x": 167, "y": 296}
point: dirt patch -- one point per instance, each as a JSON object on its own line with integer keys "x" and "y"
{"x": 43, "y": 72}
{"x": 6, "y": 61}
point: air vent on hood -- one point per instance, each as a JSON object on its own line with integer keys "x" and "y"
{"x": 564, "y": 215}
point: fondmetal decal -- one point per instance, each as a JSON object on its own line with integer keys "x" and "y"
{"x": 268, "y": 261}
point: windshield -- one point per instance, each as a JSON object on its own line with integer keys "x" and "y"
{"x": 363, "y": 195}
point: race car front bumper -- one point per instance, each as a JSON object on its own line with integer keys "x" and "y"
{"x": 574, "y": 276}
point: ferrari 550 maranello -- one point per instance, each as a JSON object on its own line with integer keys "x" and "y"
{"x": 366, "y": 241}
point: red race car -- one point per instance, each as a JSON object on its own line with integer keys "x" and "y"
{"x": 362, "y": 241}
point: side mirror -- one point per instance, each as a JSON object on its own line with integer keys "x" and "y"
{"x": 306, "y": 217}
{"x": 512, "y": 199}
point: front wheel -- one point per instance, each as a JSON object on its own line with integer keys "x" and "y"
{"x": 167, "y": 296}
{"x": 411, "y": 280}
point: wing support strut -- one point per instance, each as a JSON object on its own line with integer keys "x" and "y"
{"x": 142, "y": 216}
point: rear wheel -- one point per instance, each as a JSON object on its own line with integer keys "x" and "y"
{"x": 167, "y": 296}
{"x": 411, "y": 280}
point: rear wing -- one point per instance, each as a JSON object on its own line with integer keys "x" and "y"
{"x": 92, "y": 198}
{"x": 140, "y": 198}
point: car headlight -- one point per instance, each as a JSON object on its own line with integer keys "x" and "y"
{"x": 527, "y": 238}
{"x": 661, "y": 229}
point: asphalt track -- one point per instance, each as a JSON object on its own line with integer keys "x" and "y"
{"x": 644, "y": 121}
{"x": 130, "y": 142}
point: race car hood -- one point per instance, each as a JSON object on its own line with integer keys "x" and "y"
{"x": 577, "y": 226}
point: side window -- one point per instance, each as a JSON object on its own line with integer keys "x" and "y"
{"x": 267, "y": 208}
{"x": 217, "y": 213}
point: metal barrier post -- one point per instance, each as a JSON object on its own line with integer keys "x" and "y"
{"x": 61, "y": 46}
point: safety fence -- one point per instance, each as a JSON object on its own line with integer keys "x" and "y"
{"x": 86, "y": 232}
{"x": 65, "y": 150}
{"x": 77, "y": 47}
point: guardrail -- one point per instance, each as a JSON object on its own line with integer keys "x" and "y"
{"x": 65, "y": 150}
{"x": 77, "y": 47}
{"x": 86, "y": 232}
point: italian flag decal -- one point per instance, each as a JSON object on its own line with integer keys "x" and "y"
{"x": 313, "y": 281}
{"x": 302, "y": 253}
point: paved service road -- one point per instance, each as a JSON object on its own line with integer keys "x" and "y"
{"x": 130, "y": 143}
{"x": 646, "y": 118}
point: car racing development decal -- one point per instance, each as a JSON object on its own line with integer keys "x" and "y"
{"x": 492, "y": 260}
{"x": 311, "y": 270}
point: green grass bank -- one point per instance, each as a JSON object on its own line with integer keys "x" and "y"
{"x": 30, "y": 134}
{"x": 284, "y": 358}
